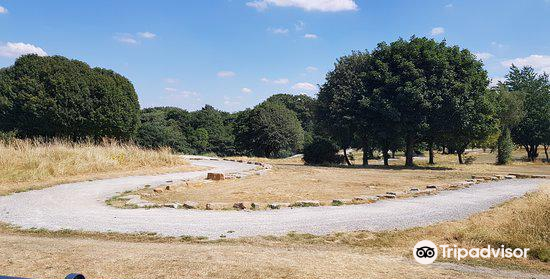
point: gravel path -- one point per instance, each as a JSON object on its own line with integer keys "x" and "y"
{"x": 81, "y": 206}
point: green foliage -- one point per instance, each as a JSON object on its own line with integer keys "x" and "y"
{"x": 505, "y": 146}
{"x": 406, "y": 92}
{"x": 57, "y": 97}
{"x": 303, "y": 106}
{"x": 161, "y": 127}
{"x": 218, "y": 125}
{"x": 534, "y": 90}
{"x": 269, "y": 130}
{"x": 321, "y": 151}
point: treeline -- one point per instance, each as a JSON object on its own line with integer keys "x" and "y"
{"x": 409, "y": 95}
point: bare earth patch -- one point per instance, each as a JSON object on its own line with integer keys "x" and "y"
{"x": 290, "y": 181}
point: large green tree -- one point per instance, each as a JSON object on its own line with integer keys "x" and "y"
{"x": 269, "y": 130}
{"x": 304, "y": 107}
{"x": 57, "y": 97}
{"x": 534, "y": 89}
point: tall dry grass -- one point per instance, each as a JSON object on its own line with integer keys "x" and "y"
{"x": 27, "y": 164}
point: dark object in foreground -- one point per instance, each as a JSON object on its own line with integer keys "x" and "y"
{"x": 70, "y": 276}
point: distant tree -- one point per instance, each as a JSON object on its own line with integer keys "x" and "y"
{"x": 159, "y": 129}
{"x": 219, "y": 130}
{"x": 269, "y": 130}
{"x": 303, "y": 106}
{"x": 505, "y": 146}
{"x": 534, "y": 89}
{"x": 57, "y": 97}
{"x": 321, "y": 151}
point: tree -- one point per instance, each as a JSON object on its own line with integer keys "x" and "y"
{"x": 534, "y": 89}
{"x": 269, "y": 130}
{"x": 321, "y": 151}
{"x": 159, "y": 128}
{"x": 505, "y": 146}
{"x": 509, "y": 112}
{"x": 219, "y": 130}
{"x": 57, "y": 97}
{"x": 303, "y": 106}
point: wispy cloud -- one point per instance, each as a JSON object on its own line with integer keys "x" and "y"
{"x": 147, "y": 35}
{"x": 311, "y": 36}
{"x": 483, "y": 55}
{"x": 311, "y": 69}
{"x": 275, "y": 81}
{"x": 541, "y": 63}
{"x": 437, "y": 31}
{"x": 308, "y": 5}
{"x": 278, "y": 31}
{"x": 3, "y": 10}
{"x": 126, "y": 38}
{"x": 246, "y": 90}
{"x": 306, "y": 86}
{"x": 449, "y": 6}
{"x": 226, "y": 74}
{"x": 17, "y": 49}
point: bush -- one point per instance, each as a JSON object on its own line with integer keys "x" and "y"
{"x": 322, "y": 151}
{"x": 505, "y": 146}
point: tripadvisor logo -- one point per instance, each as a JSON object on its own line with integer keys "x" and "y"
{"x": 425, "y": 252}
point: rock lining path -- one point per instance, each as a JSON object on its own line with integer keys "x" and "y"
{"x": 81, "y": 206}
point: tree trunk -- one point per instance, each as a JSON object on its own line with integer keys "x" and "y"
{"x": 546, "y": 153}
{"x": 393, "y": 154}
{"x": 431, "y": 151}
{"x": 365, "y": 154}
{"x": 444, "y": 152}
{"x": 460, "y": 161}
{"x": 346, "y": 157}
{"x": 386, "y": 156}
{"x": 409, "y": 153}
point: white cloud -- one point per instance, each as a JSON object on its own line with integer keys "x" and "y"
{"x": 264, "y": 80}
{"x": 541, "y": 63}
{"x": 246, "y": 90}
{"x": 311, "y": 69}
{"x": 483, "y": 55}
{"x": 3, "y": 10}
{"x": 278, "y": 31}
{"x": 126, "y": 39}
{"x": 147, "y": 35}
{"x": 304, "y": 86}
{"x": 498, "y": 45}
{"x": 230, "y": 102}
{"x": 226, "y": 74}
{"x": 310, "y": 36}
{"x": 281, "y": 81}
{"x": 17, "y": 49}
{"x": 308, "y": 5}
{"x": 449, "y": 6}
{"x": 437, "y": 31}
{"x": 170, "y": 89}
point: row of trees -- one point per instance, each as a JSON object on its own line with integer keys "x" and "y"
{"x": 404, "y": 95}
{"x": 408, "y": 95}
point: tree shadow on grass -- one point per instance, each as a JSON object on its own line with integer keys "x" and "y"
{"x": 376, "y": 167}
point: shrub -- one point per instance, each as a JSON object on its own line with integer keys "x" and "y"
{"x": 505, "y": 146}
{"x": 322, "y": 151}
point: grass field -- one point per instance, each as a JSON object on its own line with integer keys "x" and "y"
{"x": 26, "y": 164}
{"x": 290, "y": 180}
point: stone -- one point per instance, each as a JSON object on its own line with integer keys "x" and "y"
{"x": 216, "y": 206}
{"x": 365, "y": 199}
{"x": 169, "y": 188}
{"x": 278, "y": 205}
{"x": 306, "y": 203}
{"x": 391, "y": 193}
{"x": 500, "y": 176}
{"x": 540, "y": 176}
{"x": 242, "y": 205}
{"x": 261, "y": 172}
{"x": 215, "y": 176}
{"x": 431, "y": 187}
{"x": 509, "y": 176}
{"x": 520, "y": 175}
{"x": 158, "y": 190}
{"x": 256, "y": 206}
{"x": 414, "y": 190}
{"x": 190, "y": 205}
{"x": 173, "y": 205}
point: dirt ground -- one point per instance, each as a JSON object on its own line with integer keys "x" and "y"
{"x": 290, "y": 180}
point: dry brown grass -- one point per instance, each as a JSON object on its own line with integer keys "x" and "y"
{"x": 520, "y": 223}
{"x": 291, "y": 181}
{"x": 28, "y": 164}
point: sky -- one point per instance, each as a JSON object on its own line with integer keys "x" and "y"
{"x": 233, "y": 54}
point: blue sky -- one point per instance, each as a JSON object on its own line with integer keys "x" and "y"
{"x": 233, "y": 54}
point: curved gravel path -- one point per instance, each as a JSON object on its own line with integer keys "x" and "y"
{"x": 81, "y": 206}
